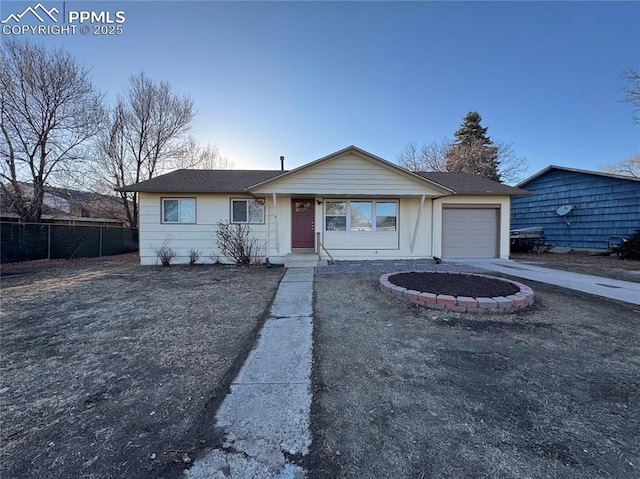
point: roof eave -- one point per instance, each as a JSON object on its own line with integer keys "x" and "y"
{"x": 188, "y": 192}
{"x": 574, "y": 170}
{"x": 519, "y": 192}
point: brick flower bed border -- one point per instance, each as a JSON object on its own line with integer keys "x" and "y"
{"x": 461, "y": 304}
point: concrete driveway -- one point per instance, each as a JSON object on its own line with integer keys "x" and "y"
{"x": 609, "y": 288}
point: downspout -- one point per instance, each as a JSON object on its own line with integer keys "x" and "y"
{"x": 275, "y": 221}
{"x": 415, "y": 230}
{"x": 268, "y": 230}
{"x": 433, "y": 223}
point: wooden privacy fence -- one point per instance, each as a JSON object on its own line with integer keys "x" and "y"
{"x": 31, "y": 241}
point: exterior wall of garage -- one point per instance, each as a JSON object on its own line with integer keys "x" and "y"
{"x": 502, "y": 203}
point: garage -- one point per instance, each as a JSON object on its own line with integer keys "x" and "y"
{"x": 470, "y": 232}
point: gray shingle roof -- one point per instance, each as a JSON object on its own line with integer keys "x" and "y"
{"x": 237, "y": 181}
{"x": 204, "y": 181}
{"x": 470, "y": 184}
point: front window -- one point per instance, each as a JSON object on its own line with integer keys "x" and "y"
{"x": 336, "y": 216}
{"x": 178, "y": 210}
{"x": 386, "y": 216}
{"x": 303, "y": 206}
{"x": 247, "y": 211}
{"x": 361, "y": 216}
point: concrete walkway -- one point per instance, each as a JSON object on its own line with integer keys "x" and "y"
{"x": 266, "y": 416}
{"x": 609, "y": 288}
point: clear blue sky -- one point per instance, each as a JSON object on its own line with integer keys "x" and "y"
{"x": 303, "y": 79}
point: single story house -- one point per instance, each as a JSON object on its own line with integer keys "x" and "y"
{"x": 578, "y": 208}
{"x": 349, "y": 205}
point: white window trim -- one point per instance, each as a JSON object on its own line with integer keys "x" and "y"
{"x": 195, "y": 204}
{"x": 246, "y": 200}
{"x": 348, "y": 216}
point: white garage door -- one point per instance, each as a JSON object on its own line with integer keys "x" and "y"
{"x": 470, "y": 232}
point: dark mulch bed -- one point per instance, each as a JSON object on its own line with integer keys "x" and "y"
{"x": 454, "y": 284}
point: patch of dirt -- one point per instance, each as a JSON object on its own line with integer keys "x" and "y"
{"x": 114, "y": 370}
{"x": 581, "y": 262}
{"x": 454, "y": 284}
{"x": 401, "y": 391}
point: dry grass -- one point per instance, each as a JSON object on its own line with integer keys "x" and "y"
{"x": 405, "y": 392}
{"x": 113, "y": 370}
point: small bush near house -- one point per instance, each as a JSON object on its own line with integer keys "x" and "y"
{"x": 235, "y": 243}
{"x": 630, "y": 249}
{"x": 194, "y": 256}
{"x": 165, "y": 255}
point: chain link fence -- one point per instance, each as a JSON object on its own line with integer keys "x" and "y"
{"x": 30, "y": 241}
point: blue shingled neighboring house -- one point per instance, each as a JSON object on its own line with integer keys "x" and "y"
{"x": 578, "y": 208}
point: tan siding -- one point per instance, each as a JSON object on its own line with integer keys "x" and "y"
{"x": 212, "y": 208}
{"x": 352, "y": 175}
{"x": 387, "y": 246}
{"x": 355, "y": 240}
{"x": 183, "y": 237}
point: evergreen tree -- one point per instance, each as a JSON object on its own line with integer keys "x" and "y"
{"x": 473, "y": 151}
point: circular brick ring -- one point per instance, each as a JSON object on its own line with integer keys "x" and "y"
{"x": 461, "y": 304}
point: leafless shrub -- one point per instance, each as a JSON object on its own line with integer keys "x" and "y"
{"x": 235, "y": 242}
{"x": 164, "y": 254}
{"x": 194, "y": 256}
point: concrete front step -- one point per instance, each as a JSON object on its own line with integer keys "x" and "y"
{"x": 303, "y": 260}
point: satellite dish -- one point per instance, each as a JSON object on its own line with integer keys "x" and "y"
{"x": 564, "y": 210}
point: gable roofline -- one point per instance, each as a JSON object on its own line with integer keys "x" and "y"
{"x": 202, "y": 181}
{"x": 574, "y": 170}
{"x": 361, "y": 153}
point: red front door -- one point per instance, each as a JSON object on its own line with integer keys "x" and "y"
{"x": 302, "y": 221}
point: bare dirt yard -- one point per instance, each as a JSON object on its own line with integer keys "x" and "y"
{"x": 114, "y": 370}
{"x": 406, "y": 392}
{"x": 581, "y": 262}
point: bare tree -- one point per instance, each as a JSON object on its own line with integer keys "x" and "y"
{"x": 48, "y": 111}
{"x": 627, "y": 167}
{"x": 632, "y": 91}
{"x": 147, "y": 135}
{"x": 434, "y": 156}
{"x": 197, "y": 156}
{"x": 427, "y": 157}
{"x": 512, "y": 167}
